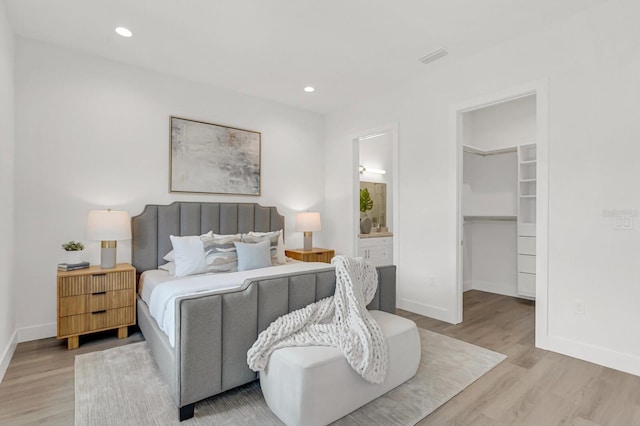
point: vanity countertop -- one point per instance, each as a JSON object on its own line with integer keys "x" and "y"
{"x": 377, "y": 235}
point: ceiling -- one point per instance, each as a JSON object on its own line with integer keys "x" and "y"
{"x": 346, "y": 49}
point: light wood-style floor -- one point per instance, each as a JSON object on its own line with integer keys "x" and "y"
{"x": 531, "y": 387}
{"x": 38, "y": 387}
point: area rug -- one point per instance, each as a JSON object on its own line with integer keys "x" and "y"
{"x": 122, "y": 386}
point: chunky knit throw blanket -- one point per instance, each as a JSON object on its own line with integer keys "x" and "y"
{"x": 341, "y": 320}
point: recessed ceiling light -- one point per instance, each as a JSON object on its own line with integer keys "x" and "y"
{"x": 124, "y": 32}
{"x": 309, "y": 89}
{"x": 432, "y": 56}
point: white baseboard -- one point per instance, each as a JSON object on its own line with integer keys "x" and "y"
{"x": 491, "y": 287}
{"x": 35, "y": 332}
{"x": 621, "y": 361}
{"x": 426, "y": 310}
{"x": 5, "y": 359}
{"x": 466, "y": 286}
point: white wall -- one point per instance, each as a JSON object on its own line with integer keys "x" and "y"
{"x": 503, "y": 125}
{"x": 7, "y": 173}
{"x": 592, "y": 63}
{"x": 490, "y": 189}
{"x": 92, "y": 133}
{"x": 490, "y": 184}
{"x": 492, "y": 257}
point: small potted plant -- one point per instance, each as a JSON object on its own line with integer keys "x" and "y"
{"x": 366, "y": 204}
{"x": 74, "y": 252}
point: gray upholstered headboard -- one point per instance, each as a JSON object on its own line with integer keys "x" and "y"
{"x": 151, "y": 228}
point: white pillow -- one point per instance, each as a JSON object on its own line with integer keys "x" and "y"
{"x": 277, "y": 244}
{"x": 171, "y": 257}
{"x": 253, "y": 256}
{"x": 170, "y": 267}
{"x": 189, "y": 254}
{"x": 282, "y": 259}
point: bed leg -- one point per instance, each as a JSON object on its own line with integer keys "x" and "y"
{"x": 186, "y": 412}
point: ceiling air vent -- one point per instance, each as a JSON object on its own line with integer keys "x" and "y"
{"x": 436, "y": 54}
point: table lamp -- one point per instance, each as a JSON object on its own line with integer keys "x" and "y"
{"x": 308, "y": 222}
{"x": 108, "y": 226}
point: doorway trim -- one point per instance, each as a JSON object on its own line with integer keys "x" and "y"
{"x": 392, "y": 129}
{"x": 540, "y": 89}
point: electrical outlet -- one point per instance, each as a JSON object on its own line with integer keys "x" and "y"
{"x": 579, "y": 308}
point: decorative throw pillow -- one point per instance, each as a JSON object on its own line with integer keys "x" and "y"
{"x": 171, "y": 257}
{"x": 253, "y": 256}
{"x": 189, "y": 254}
{"x": 225, "y": 235}
{"x": 220, "y": 252}
{"x": 170, "y": 267}
{"x": 276, "y": 241}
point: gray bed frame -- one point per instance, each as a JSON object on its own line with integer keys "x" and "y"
{"x": 215, "y": 330}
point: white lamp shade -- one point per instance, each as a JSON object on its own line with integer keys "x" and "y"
{"x": 108, "y": 225}
{"x": 308, "y": 222}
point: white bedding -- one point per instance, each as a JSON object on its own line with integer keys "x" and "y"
{"x": 160, "y": 290}
{"x": 150, "y": 279}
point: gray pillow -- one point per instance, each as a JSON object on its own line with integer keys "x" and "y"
{"x": 253, "y": 256}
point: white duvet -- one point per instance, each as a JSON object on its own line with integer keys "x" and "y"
{"x": 163, "y": 296}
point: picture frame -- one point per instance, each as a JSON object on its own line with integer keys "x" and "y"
{"x": 209, "y": 158}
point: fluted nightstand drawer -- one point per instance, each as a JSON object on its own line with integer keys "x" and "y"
{"x": 110, "y": 281}
{"x": 94, "y": 279}
{"x": 102, "y": 319}
{"x": 109, "y": 300}
{"x": 73, "y": 285}
{"x": 72, "y": 325}
{"x": 72, "y": 305}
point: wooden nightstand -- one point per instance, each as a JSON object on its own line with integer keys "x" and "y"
{"x": 96, "y": 299}
{"x": 313, "y": 255}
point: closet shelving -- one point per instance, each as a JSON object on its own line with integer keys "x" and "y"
{"x": 481, "y": 217}
{"x": 527, "y": 162}
{"x": 525, "y": 214}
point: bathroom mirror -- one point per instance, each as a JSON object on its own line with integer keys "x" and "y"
{"x": 378, "y": 194}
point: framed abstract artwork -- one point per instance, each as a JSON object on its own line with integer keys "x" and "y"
{"x": 213, "y": 159}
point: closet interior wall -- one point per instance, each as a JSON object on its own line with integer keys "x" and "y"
{"x": 490, "y": 227}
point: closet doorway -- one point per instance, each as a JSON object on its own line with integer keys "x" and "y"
{"x": 502, "y": 237}
{"x": 498, "y": 198}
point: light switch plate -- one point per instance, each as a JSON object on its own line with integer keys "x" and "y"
{"x": 623, "y": 222}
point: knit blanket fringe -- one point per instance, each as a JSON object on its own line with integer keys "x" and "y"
{"x": 341, "y": 321}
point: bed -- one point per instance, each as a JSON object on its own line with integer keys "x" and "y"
{"x": 214, "y": 329}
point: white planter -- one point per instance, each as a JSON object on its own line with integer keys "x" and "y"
{"x": 74, "y": 257}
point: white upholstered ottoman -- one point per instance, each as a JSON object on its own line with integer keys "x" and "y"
{"x": 315, "y": 385}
